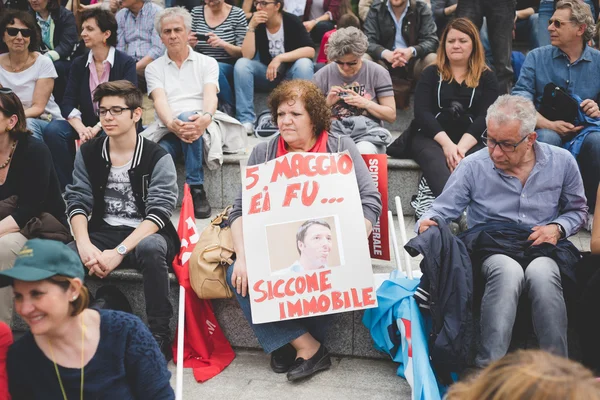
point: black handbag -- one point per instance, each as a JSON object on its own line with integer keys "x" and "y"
{"x": 558, "y": 105}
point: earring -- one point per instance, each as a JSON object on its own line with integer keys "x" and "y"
{"x": 74, "y": 297}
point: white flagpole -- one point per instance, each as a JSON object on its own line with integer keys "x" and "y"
{"x": 180, "y": 332}
{"x": 408, "y": 267}
{"x": 394, "y": 240}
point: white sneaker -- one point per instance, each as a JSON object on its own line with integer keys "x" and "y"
{"x": 590, "y": 222}
{"x": 249, "y": 127}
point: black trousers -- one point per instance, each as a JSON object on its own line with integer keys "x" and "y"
{"x": 150, "y": 258}
{"x": 430, "y": 157}
{"x": 500, "y": 16}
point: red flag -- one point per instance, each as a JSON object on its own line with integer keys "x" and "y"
{"x": 206, "y": 349}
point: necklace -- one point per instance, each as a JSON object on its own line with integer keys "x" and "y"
{"x": 19, "y": 68}
{"x": 12, "y": 151}
{"x": 62, "y": 388}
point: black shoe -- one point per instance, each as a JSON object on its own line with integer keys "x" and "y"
{"x": 109, "y": 297}
{"x": 202, "y": 208}
{"x": 164, "y": 344}
{"x": 304, "y": 368}
{"x": 283, "y": 358}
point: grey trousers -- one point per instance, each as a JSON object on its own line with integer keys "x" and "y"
{"x": 505, "y": 280}
{"x": 10, "y": 245}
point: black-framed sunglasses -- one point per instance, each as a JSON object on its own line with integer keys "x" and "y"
{"x": 6, "y": 90}
{"x": 504, "y": 146}
{"x": 263, "y": 3}
{"x": 349, "y": 64}
{"x": 556, "y": 22}
{"x": 114, "y": 111}
{"x": 15, "y": 31}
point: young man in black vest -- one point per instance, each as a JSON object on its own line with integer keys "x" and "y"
{"x": 128, "y": 185}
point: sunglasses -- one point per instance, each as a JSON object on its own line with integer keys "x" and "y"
{"x": 349, "y": 64}
{"x": 15, "y": 31}
{"x": 263, "y": 3}
{"x": 5, "y": 90}
{"x": 556, "y": 22}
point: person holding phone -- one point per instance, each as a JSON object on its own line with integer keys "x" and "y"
{"x": 276, "y": 47}
{"x": 218, "y": 31}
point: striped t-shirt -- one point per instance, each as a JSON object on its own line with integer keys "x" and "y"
{"x": 232, "y": 30}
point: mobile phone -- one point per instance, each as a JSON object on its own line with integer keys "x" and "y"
{"x": 343, "y": 94}
{"x": 202, "y": 37}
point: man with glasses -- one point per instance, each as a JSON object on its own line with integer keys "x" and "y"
{"x": 573, "y": 66}
{"x": 519, "y": 182}
{"x": 128, "y": 185}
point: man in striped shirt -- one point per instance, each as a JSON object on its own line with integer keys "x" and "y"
{"x": 137, "y": 36}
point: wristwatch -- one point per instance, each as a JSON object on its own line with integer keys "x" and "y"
{"x": 561, "y": 230}
{"x": 122, "y": 249}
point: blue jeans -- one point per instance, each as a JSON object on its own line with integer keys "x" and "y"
{"x": 545, "y": 11}
{"x": 225, "y": 83}
{"x": 274, "y": 335}
{"x": 588, "y": 160}
{"x": 250, "y": 73}
{"x": 192, "y": 153}
{"x": 505, "y": 280}
{"x": 60, "y": 138}
{"x": 37, "y": 126}
{"x": 527, "y": 29}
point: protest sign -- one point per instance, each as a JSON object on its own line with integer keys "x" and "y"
{"x": 305, "y": 239}
{"x": 379, "y": 241}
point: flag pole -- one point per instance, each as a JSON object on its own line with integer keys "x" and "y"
{"x": 403, "y": 237}
{"x": 180, "y": 332}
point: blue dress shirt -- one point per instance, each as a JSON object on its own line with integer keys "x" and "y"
{"x": 553, "y": 192}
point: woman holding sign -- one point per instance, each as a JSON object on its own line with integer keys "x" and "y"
{"x": 303, "y": 118}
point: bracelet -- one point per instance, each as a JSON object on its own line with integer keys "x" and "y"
{"x": 250, "y": 29}
{"x": 209, "y": 113}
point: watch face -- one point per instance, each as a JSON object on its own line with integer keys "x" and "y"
{"x": 121, "y": 249}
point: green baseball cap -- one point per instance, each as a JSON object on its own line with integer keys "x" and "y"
{"x": 41, "y": 259}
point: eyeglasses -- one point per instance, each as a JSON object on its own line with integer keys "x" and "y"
{"x": 114, "y": 111}
{"x": 263, "y": 3}
{"x": 504, "y": 146}
{"x": 556, "y": 22}
{"x": 15, "y": 31}
{"x": 349, "y": 64}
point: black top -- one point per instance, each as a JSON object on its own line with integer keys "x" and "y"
{"x": 295, "y": 36}
{"x": 32, "y": 178}
{"x": 523, "y": 4}
{"x": 475, "y": 103}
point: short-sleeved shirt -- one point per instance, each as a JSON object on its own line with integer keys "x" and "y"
{"x": 232, "y": 31}
{"x": 120, "y": 207}
{"x": 372, "y": 82}
{"x": 276, "y": 42}
{"x": 23, "y": 83}
{"x": 183, "y": 86}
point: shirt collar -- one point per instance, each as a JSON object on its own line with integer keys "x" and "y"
{"x": 189, "y": 57}
{"x": 389, "y": 6}
{"x": 586, "y": 55}
{"x": 110, "y": 59}
{"x": 144, "y": 7}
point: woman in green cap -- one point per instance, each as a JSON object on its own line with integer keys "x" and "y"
{"x": 71, "y": 351}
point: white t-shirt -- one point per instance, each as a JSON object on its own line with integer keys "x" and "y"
{"x": 120, "y": 208}
{"x": 23, "y": 83}
{"x": 295, "y": 7}
{"x": 276, "y": 41}
{"x": 316, "y": 10}
{"x": 184, "y": 86}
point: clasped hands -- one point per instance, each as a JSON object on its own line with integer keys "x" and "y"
{"x": 398, "y": 57}
{"x": 189, "y": 131}
{"x": 99, "y": 263}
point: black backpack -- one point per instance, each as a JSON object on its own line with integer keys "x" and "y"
{"x": 264, "y": 128}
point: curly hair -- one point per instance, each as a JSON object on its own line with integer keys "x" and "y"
{"x": 28, "y": 20}
{"x": 581, "y": 14}
{"x": 532, "y": 375}
{"x": 346, "y": 41}
{"x": 310, "y": 95}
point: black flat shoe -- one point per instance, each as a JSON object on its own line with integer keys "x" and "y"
{"x": 304, "y": 368}
{"x": 283, "y": 358}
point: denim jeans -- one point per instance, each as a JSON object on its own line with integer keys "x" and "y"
{"x": 248, "y": 74}
{"x": 505, "y": 280}
{"x": 150, "y": 258}
{"x": 225, "y": 83}
{"x": 527, "y": 29}
{"x": 192, "y": 153}
{"x": 588, "y": 160}
{"x": 37, "y": 126}
{"x": 60, "y": 138}
{"x": 545, "y": 11}
{"x": 500, "y": 16}
{"x": 273, "y": 335}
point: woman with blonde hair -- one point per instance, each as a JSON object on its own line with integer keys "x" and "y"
{"x": 75, "y": 352}
{"x": 529, "y": 375}
{"x": 451, "y": 102}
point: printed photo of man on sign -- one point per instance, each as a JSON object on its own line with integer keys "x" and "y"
{"x": 305, "y": 240}
{"x": 312, "y": 244}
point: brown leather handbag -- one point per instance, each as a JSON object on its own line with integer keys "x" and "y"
{"x": 209, "y": 261}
